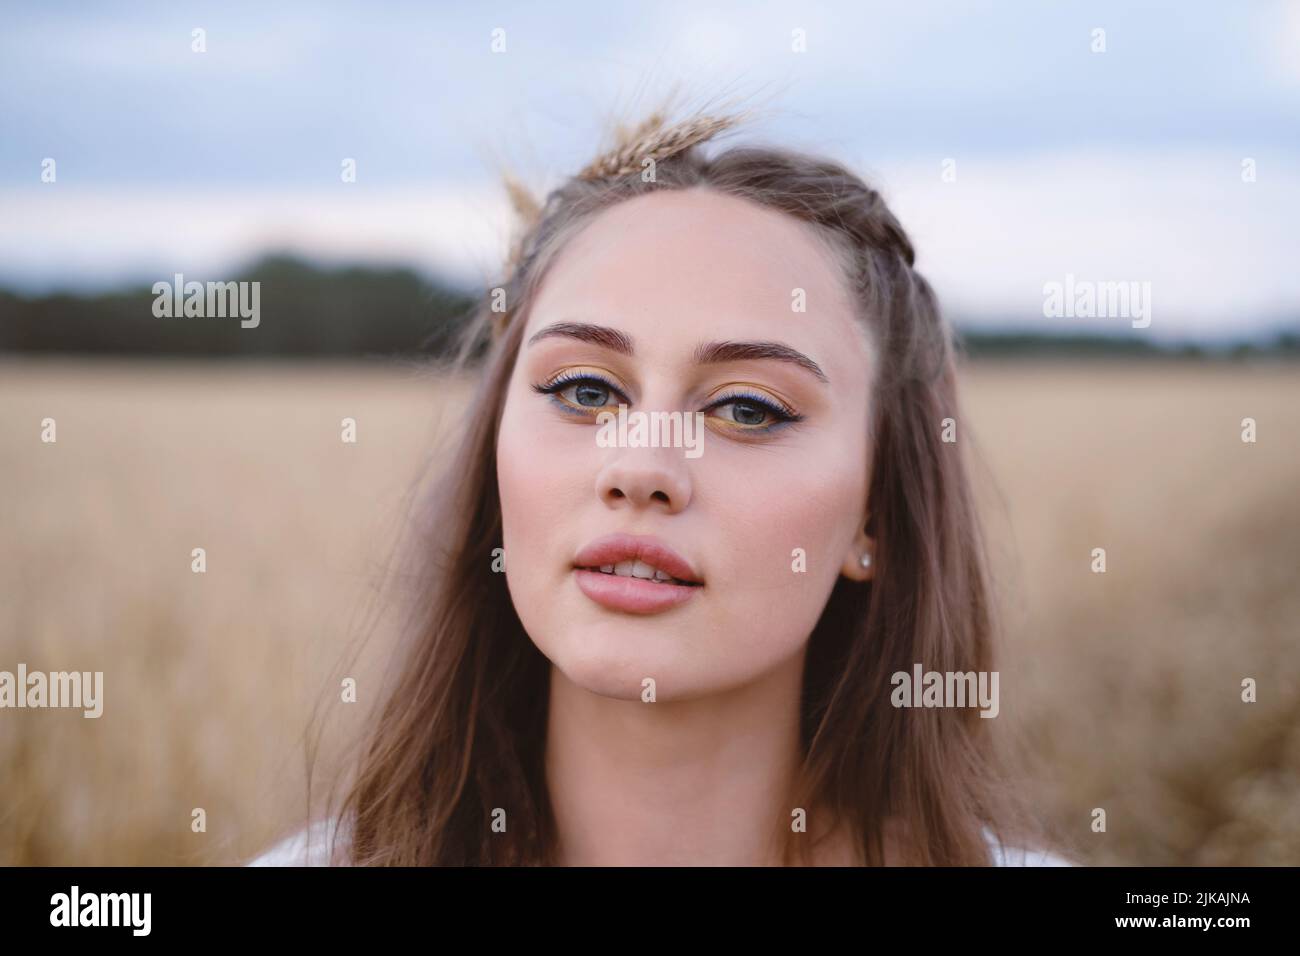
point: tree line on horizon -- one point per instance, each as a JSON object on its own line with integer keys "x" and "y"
{"x": 307, "y": 311}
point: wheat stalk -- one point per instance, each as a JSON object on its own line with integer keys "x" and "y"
{"x": 647, "y": 139}
{"x": 654, "y": 142}
{"x": 626, "y": 137}
{"x": 524, "y": 203}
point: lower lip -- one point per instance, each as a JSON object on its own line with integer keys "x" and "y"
{"x": 633, "y": 595}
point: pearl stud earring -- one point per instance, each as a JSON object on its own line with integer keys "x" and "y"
{"x": 865, "y": 560}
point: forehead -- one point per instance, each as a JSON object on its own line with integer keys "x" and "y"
{"x": 676, "y": 266}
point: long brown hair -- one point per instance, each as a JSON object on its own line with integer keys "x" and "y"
{"x": 459, "y": 734}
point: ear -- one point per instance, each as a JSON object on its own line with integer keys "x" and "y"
{"x": 862, "y": 544}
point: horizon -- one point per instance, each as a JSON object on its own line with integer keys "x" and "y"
{"x": 1278, "y": 334}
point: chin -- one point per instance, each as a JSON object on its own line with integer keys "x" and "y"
{"x": 614, "y": 675}
{"x": 614, "y": 662}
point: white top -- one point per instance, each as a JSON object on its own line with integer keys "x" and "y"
{"x": 1018, "y": 856}
{"x": 299, "y": 850}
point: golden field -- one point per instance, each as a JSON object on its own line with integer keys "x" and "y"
{"x": 1127, "y": 685}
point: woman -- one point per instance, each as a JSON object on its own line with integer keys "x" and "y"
{"x": 688, "y": 651}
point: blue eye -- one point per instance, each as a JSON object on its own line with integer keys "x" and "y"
{"x": 746, "y": 406}
{"x": 751, "y": 413}
{"x": 585, "y": 386}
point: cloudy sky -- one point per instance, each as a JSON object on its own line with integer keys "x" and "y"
{"x": 1122, "y": 165}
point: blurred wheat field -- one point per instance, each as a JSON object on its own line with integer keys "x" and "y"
{"x": 1127, "y": 684}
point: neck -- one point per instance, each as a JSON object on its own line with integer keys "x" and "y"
{"x": 699, "y": 782}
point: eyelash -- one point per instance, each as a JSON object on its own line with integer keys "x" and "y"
{"x": 784, "y": 414}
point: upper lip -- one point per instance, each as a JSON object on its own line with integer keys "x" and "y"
{"x": 613, "y": 548}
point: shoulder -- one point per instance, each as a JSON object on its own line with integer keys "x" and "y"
{"x": 1004, "y": 855}
{"x": 310, "y": 846}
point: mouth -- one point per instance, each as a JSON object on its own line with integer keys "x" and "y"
{"x": 638, "y": 574}
{"x": 641, "y": 572}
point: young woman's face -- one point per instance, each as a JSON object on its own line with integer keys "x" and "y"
{"x": 646, "y": 306}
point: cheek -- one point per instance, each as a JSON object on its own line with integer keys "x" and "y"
{"x": 539, "y": 464}
{"x": 526, "y": 473}
{"x": 788, "y": 525}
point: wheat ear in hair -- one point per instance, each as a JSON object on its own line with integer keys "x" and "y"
{"x": 649, "y": 139}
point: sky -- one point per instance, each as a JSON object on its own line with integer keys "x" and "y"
{"x": 1116, "y": 164}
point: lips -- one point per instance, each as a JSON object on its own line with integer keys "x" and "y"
{"x": 630, "y": 594}
{"x": 616, "y": 548}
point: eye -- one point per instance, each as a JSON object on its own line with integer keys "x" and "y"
{"x": 755, "y": 413}
{"x": 588, "y": 390}
{"x": 752, "y": 413}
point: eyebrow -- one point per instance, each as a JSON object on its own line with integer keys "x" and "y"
{"x": 706, "y": 353}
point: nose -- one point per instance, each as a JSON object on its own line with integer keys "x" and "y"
{"x": 644, "y": 478}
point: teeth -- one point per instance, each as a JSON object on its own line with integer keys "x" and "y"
{"x": 637, "y": 569}
{"x": 642, "y": 570}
